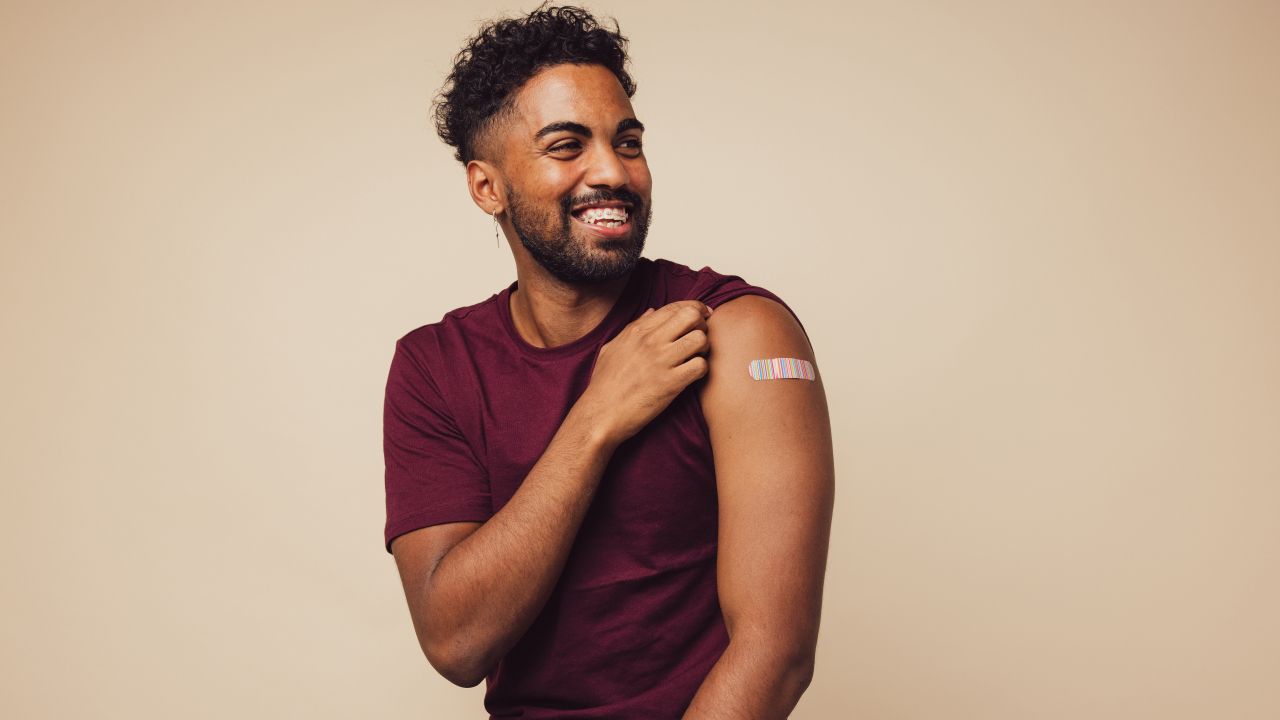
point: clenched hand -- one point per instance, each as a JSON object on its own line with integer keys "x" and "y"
{"x": 639, "y": 372}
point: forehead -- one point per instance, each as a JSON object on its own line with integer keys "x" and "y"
{"x": 586, "y": 94}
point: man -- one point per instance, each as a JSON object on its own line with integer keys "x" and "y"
{"x": 590, "y": 498}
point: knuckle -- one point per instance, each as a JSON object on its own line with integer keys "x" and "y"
{"x": 698, "y": 365}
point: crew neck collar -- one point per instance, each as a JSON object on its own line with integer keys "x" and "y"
{"x": 624, "y": 308}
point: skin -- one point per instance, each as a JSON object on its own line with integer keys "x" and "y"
{"x": 474, "y": 588}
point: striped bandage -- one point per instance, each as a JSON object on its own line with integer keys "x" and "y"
{"x": 781, "y": 369}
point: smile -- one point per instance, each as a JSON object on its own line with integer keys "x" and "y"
{"x": 607, "y": 217}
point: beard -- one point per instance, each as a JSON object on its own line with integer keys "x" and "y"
{"x": 548, "y": 236}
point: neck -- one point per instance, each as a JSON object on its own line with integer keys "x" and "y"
{"x": 548, "y": 313}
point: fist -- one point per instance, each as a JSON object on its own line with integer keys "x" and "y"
{"x": 639, "y": 372}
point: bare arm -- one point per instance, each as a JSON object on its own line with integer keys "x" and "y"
{"x": 474, "y": 589}
{"x": 776, "y": 481}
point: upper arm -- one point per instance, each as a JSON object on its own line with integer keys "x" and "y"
{"x": 774, "y": 472}
{"x": 433, "y": 474}
{"x": 437, "y": 490}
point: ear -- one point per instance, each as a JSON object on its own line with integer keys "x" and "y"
{"x": 486, "y": 185}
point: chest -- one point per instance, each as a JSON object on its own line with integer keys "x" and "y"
{"x": 655, "y": 507}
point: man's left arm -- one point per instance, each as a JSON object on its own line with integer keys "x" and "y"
{"x": 776, "y": 482}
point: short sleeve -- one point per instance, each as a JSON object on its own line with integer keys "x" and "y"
{"x": 432, "y": 473}
{"x": 715, "y": 289}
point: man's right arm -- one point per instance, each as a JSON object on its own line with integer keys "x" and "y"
{"x": 473, "y": 588}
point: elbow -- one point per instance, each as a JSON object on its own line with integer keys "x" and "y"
{"x": 455, "y": 652}
{"x": 801, "y": 674}
{"x": 455, "y": 663}
{"x": 783, "y": 663}
{"x": 460, "y": 671}
{"x": 797, "y": 672}
{"x": 794, "y": 660}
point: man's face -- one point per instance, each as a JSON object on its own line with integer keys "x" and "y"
{"x": 578, "y": 184}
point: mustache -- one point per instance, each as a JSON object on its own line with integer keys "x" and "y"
{"x": 599, "y": 196}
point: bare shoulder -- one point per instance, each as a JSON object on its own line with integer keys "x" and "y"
{"x": 753, "y": 328}
{"x": 744, "y": 331}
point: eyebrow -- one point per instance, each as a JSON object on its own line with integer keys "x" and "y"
{"x": 580, "y": 129}
{"x": 573, "y": 127}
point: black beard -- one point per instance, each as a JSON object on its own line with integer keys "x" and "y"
{"x": 550, "y": 241}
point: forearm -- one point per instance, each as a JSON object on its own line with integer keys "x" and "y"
{"x": 474, "y": 589}
{"x": 757, "y": 678}
{"x": 487, "y": 590}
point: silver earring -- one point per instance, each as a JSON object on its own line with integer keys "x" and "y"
{"x": 495, "y": 228}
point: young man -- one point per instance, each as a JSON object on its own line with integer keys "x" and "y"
{"x": 595, "y": 497}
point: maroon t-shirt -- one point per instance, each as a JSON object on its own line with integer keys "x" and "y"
{"x": 634, "y": 625}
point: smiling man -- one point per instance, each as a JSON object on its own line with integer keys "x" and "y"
{"x": 609, "y": 486}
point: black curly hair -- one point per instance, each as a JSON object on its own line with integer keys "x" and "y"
{"x": 506, "y": 53}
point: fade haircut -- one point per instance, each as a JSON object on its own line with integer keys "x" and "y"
{"x": 505, "y": 54}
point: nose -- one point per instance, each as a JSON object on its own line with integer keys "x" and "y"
{"x": 606, "y": 170}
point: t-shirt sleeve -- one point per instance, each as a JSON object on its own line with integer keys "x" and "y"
{"x": 715, "y": 289}
{"x": 433, "y": 475}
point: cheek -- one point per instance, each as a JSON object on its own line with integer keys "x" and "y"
{"x": 638, "y": 169}
{"x": 555, "y": 181}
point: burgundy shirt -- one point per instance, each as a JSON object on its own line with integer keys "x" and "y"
{"x": 634, "y": 625}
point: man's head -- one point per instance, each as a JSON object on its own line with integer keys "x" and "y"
{"x": 538, "y": 109}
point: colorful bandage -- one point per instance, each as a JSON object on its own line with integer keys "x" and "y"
{"x": 781, "y": 369}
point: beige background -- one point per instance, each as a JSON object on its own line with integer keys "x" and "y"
{"x": 1036, "y": 244}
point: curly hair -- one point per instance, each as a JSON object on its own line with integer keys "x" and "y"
{"x": 505, "y": 54}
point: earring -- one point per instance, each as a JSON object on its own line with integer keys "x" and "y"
{"x": 495, "y": 228}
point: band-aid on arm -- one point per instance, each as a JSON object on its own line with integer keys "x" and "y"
{"x": 781, "y": 369}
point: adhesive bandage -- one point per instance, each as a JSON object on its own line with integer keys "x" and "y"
{"x": 781, "y": 369}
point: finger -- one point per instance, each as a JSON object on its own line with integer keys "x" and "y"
{"x": 649, "y": 320}
{"x": 691, "y": 343}
{"x": 692, "y": 369}
{"x": 690, "y": 315}
{"x": 656, "y": 318}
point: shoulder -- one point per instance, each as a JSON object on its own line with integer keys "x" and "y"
{"x": 762, "y": 385}
{"x": 427, "y": 356}
{"x": 673, "y": 271}
{"x": 673, "y": 281}
{"x": 753, "y": 313}
{"x": 756, "y": 324}
{"x": 429, "y": 339}
{"x": 745, "y": 318}
{"x": 745, "y": 333}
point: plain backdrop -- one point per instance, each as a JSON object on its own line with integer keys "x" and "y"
{"x": 1036, "y": 246}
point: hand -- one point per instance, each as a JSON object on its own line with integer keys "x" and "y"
{"x": 639, "y": 372}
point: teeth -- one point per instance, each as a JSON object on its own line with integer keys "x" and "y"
{"x": 605, "y": 217}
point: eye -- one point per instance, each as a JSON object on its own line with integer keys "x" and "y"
{"x": 630, "y": 147}
{"x": 566, "y": 146}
